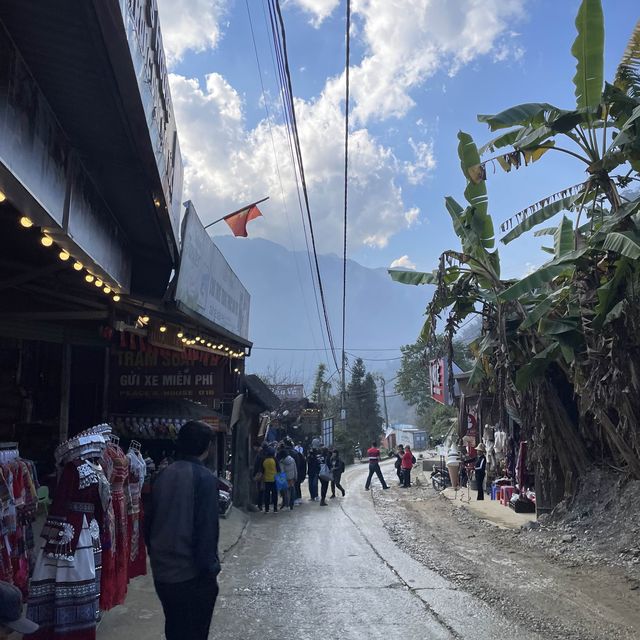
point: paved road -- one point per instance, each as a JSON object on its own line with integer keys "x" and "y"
{"x": 321, "y": 573}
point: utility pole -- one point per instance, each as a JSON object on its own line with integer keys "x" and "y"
{"x": 384, "y": 400}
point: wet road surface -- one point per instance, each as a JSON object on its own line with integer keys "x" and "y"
{"x": 332, "y": 572}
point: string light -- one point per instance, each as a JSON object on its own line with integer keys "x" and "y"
{"x": 220, "y": 346}
{"x": 77, "y": 266}
{"x": 163, "y": 329}
{"x": 180, "y": 334}
{"x": 107, "y": 290}
{"x": 63, "y": 255}
{"x": 116, "y": 298}
{"x": 209, "y": 344}
{"x": 198, "y": 338}
{"x": 89, "y": 278}
{"x": 98, "y": 283}
{"x": 24, "y": 221}
{"x": 226, "y": 348}
{"x": 46, "y": 241}
{"x": 145, "y": 319}
{"x": 2, "y": 196}
{"x": 184, "y": 340}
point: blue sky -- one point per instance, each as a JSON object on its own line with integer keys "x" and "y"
{"x": 421, "y": 70}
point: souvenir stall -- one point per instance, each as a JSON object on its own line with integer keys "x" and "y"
{"x": 91, "y": 543}
{"x": 18, "y": 503}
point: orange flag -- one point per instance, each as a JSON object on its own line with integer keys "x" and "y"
{"x": 238, "y": 221}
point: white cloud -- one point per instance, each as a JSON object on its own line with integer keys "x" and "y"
{"x": 228, "y": 164}
{"x": 320, "y": 10}
{"x": 403, "y": 262}
{"x": 425, "y": 162}
{"x": 408, "y": 41}
{"x": 190, "y": 25}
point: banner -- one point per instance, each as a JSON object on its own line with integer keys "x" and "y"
{"x": 206, "y": 282}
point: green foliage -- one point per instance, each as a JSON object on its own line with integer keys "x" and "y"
{"x": 588, "y": 50}
{"x": 364, "y": 421}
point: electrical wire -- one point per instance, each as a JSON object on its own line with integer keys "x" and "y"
{"x": 280, "y": 42}
{"x": 346, "y": 189}
{"x": 282, "y": 195}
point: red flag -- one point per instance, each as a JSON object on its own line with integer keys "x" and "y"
{"x": 238, "y": 221}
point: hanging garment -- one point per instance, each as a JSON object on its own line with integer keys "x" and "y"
{"x": 65, "y": 587}
{"x": 116, "y": 558}
{"x": 137, "y": 551}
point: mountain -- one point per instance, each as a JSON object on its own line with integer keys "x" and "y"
{"x": 284, "y": 324}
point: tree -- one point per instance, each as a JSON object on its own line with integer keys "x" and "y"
{"x": 364, "y": 422}
{"x": 321, "y": 388}
{"x": 560, "y": 347}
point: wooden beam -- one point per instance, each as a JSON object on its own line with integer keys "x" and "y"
{"x": 28, "y": 276}
{"x": 56, "y": 315}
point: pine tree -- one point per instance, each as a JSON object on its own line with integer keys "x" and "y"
{"x": 364, "y": 422}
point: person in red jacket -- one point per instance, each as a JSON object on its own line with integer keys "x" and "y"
{"x": 408, "y": 460}
{"x": 374, "y": 466}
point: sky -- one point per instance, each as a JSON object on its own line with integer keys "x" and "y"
{"x": 421, "y": 70}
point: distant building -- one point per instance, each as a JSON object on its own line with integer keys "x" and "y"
{"x": 407, "y": 434}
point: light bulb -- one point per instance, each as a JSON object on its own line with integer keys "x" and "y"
{"x": 46, "y": 241}
{"x": 89, "y": 277}
{"x": 219, "y": 346}
{"x": 63, "y": 255}
{"x": 198, "y": 338}
{"x": 226, "y": 348}
{"x": 180, "y": 334}
{"x": 184, "y": 340}
{"x": 145, "y": 319}
{"x": 98, "y": 282}
{"x": 2, "y": 196}
{"x": 116, "y": 298}
{"x": 107, "y": 290}
{"x": 24, "y": 221}
{"x": 77, "y": 266}
{"x": 209, "y": 344}
{"x": 163, "y": 329}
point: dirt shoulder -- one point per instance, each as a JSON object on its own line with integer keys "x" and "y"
{"x": 542, "y": 577}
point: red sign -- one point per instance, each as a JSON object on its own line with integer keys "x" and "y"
{"x": 438, "y": 380}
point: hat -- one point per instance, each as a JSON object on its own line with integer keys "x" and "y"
{"x": 481, "y": 447}
{"x": 11, "y": 610}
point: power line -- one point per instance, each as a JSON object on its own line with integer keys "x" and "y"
{"x": 320, "y": 349}
{"x": 346, "y": 193}
{"x": 284, "y": 203}
{"x": 280, "y": 41}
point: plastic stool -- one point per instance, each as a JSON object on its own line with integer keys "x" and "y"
{"x": 507, "y": 492}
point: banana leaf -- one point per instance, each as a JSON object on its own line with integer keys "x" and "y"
{"x": 503, "y": 140}
{"x": 413, "y": 277}
{"x": 588, "y": 50}
{"x": 628, "y": 73}
{"x": 537, "y": 366}
{"x": 531, "y": 137}
{"x": 626, "y": 243}
{"x": 530, "y": 113}
{"x": 543, "y": 308}
{"x": 541, "y": 215}
{"x": 476, "y": 191}
{"x": 608, "y": 292}
{"x": 564, "y": 239}
{"x": 546, "y": 273}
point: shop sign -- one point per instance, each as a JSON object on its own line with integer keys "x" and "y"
{"x": 439, "y": 381}
{"x": 206, "y": 282}
{"x": 159, "y": 374}
{"x": 147, "y": 53}
{"x": 327, "y": 432}
{"x": 288, "y": 392}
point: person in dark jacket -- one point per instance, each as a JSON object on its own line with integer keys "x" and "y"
{"x": 257, "y": 474}
{"x": 324, "y": 459}
{"x": 337, "y": 469}
{"x": 481, "y": 469}
{"x": 398, "y": 463}
{"x": 181, "y": 533}
{"x": 313, "y": 469}
{"x": 301, "y": 464}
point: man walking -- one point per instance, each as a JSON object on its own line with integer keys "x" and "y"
{"x": 182, "y": 537}
{"x": 374, "y": 466}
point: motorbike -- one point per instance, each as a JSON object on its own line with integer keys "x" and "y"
{"x": 225, "y": 500}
